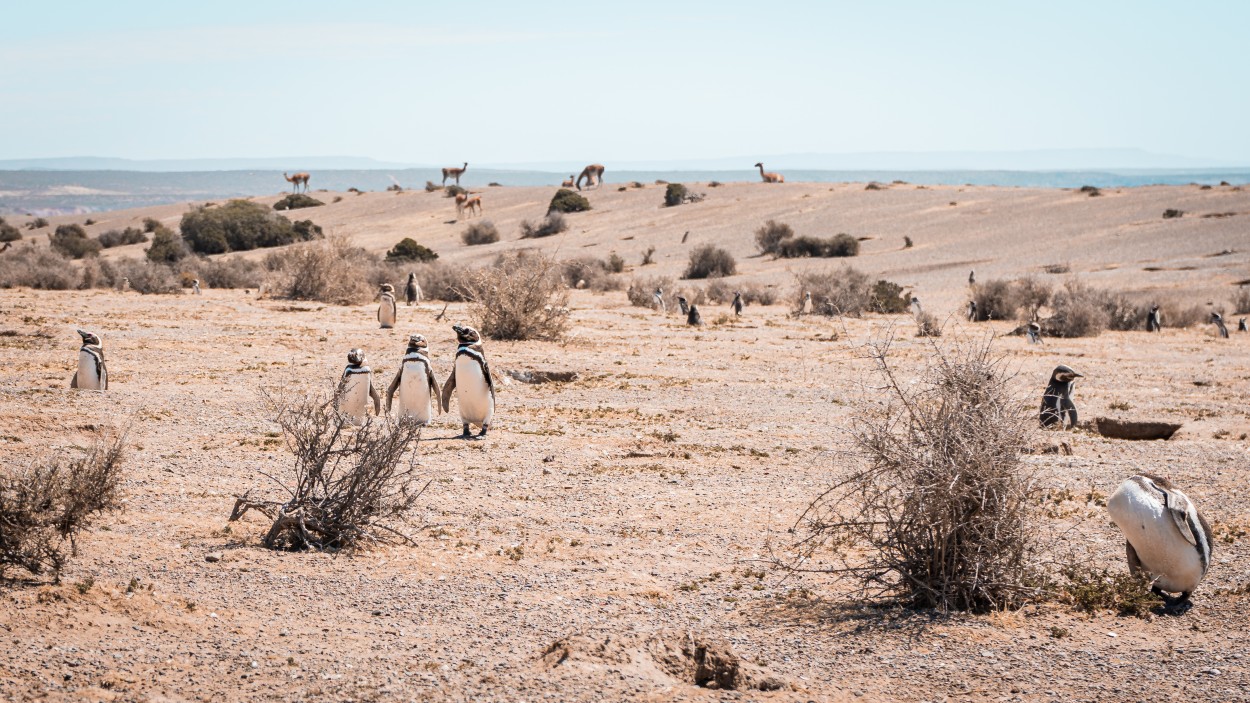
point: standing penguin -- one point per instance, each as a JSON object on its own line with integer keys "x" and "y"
{"x": 1057, "y": 400}
{"x": 1034, "y": 331}
{"x": 412, "y": 290}
{"x": 1165, "y": 535}
{"x": 387, "y": 309}
{"x": 657, "y": 298}
{"x": 916, "y": 310}
{"x": 1241, "y": 325}
{"x": 92, "y": 374}
{"x": 684, "y": 305}
{"x": 737, "y": 304}
{"x": 195, "y": 287}
{"x": 972, "y": 278}
{"x": 471, "y": 381}
{"x": 972, "y": 311}
{"x": 415, "y": 382}
{"x": 693, "y": 318}
{"x": 806, "y": 309}
{"x": 356, "y": 388}
{"x": 1154, "y": 321}
{"x": 1218, "y": 321}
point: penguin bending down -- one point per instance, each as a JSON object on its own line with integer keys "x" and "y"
{"x": 415, "y": 382}
{"x": 1154, "y": 322}
{"x": 386, "y": 309}
{"x": 737, "y": 304}
{"x": 1057, "y": 400}
{"x": 693, "y": 318}
{"x": 1218, "y": 320}
{"x": 683, "y": 305}
{"x": 92, "y": 374}
{"x": 471, "y": 381}
{"x": 972, "y": 311}
{"x": 1034, "y": 332}
{"x": 356, "y": 388}
{"x": 412, "y": 290}
{"x": 1165, "y": 536}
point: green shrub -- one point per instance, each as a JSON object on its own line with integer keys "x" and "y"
{"x": 167, "y": 247}
{"x": 709, "y": 261}
{"x": 72, "y": 241}
{"x": 295, "y": 201}
{"x": 768, "y": 238}
{"x": 9, "y": 233}
{"x": 674, "y": 194}
{"x": 482, "y": 232}
{"x": 887, "y": 298}
{"x": 118, "y": 238}
{"x": 553, "y": 223}
{"x": 566, "y": 200}
{"x": 239, "y": 225}
{"x": 408, "y": 250}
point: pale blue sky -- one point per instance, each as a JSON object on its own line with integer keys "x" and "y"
{"x": 504, "y": 82}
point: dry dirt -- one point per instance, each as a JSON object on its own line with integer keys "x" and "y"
{"x": 623, "y": 516}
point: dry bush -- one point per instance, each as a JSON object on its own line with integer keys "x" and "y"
{"x": 996, "y": 300}
{"x": 8, "y": 233}
{"x": 1078, "y": 311}
{"x": 847, "y": 291}
{"x": 768, "y": 238}
{"x": 641, "y": 289}
{"x": 440, "y": 281}
{"x": 718, "y": 291}
{"x": 121, "y": 237}
{"x": 72, "y": 241}
{"x": 1172, "y": 213}
{"x": 1178, "y": 314}
{"x": 432, "y": 187}
{"x": 44, "y": 507}
{"x": 1241, "y": 301}
{"x": 225, "y": 272}
{"x": 328, "y": 271}
{"x": 553, "y": 223}
{"x": 36, "y": 267}
{"x": 709, "y": 261}
{"x": 927, "y": 325}
{"x": 815, "y": 247}
{"x": 1091, "y": 590}
{"x": 888, "y": 298}
{"x": 146, "y": 276}
{"x": 648, "y": 257}
{"x": 97, "y": 273}
{"x": 1031, "y": 295}
{"x": 757, "y": 294}
{"x": 1057, "y": 268}
{"x": 589, "y": 272}
{"x": 481, "y": 232}
{"x": 942, "y": 514}
{"x": 521, "y": 297}
{"x": 346, "y": 484}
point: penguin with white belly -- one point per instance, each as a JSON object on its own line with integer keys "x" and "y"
{"x": 92, "y": 374}
{"x": 418, "y": 390}
{"x": 1057, "y": 405}
{"x": 1166, "y": 537}
{"x": 356, "y": 389}
{"x": 470, "y": 380}
{"x": 386, "y": 309}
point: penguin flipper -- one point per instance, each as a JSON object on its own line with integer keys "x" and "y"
{"x": 1179, "y": 507}
{"x": 390, "y": 390}
{"x": 448, "y": 387}
{"x": 377, "y": 398}
{"x": 433, "y": 383}
{"x": 490, "y": 382}
{"x": 1134, "y": 562}
{"x": 104, "y": 376}
{"x": 73, "y": 380}
{"x": 1067, "y": 407}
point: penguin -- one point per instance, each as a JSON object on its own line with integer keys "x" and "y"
{"x": 417, "y": 388}
{"x": 387, "y": 310}
{"x": 684, "y": 305}
{"x": 1241, "y": 325}
{"x": 972, "y": 311}
{"x": 692, "y": 318}
{"x": 807, "y": 304}
{"x": 737, "y": 304}
{"x": 124, "y": 285}
{"x": 972, "y": 278}
{"x": 1057, "y": 400}
{"x": 685, "y": 236}
{"x": 195, "y": 287}
{"x": 658, "y": 299}
{"x": 1154, "y": 322}
{"x": 412, "y": 290}
{"x": 1218, "y": 320}
{"x": 471, "y": 381}
{"x": 916, "y": 310}
{"x": 356, "y": 388}
{"x": 1165, "y": 536}
{"x": 92, "y": 374}
{"x": 1034, "y": 332}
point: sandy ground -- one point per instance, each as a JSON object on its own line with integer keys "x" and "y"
{"x": 629, "y": 507}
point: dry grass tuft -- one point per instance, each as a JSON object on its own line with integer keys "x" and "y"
{"x": 482, "y": 232}
{"x": 710, "y": 261}
{"x": 329, "y": 271}
{"x": 846, "y": 291}
{"x": 521, "y": 297}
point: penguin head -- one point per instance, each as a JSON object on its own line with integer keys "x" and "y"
{"x": 1216, "y": 317}
{"x": 416, "y": 341}
{"x": 1037, "y": 328}
{"x": 412, "y": 275}
{"x": 466, "y": 334}
{"x": 356, "y": 356}
{"x": 388, "y": 288}
{"x": 1154, "y": 308}
{"x": 1064, "y": 374}
{"x": 89, "y": 337}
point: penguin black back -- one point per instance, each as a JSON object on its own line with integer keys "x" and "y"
{"x": 1218, "y": 320}
{"x": 693, "y": 318}
{"x": 1154, "y": 321}
{"x": 1057, "y": 402}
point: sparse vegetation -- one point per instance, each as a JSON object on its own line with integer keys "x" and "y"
{"x": 1241, "y": 300}
{"x": 1092, "y": 590}
{"x": 480, "y": 232}
{"x": 1172, "y": 213}
{"x": 709, "y": 261}
{"x": 37, "y": 267}
{"x": 151, "y": 224}
{"x": 521, "y": 297}
{"x": 770, "y": 235}
{"x": 566, "y": 200}
{"x": 676, "y": 194}
{"x": 72, "y": 241}
{"x": 37, "y": 223}
{"x": 804, "y": 246}
{"x": 996, "y": 299}
{"x": 553, "y": 223}
{"x": 1078, "y": 310}
{"x": 119, "y": 238}
{"x": 409, "y": 250}
{"x": 847, "y": 291}
{"x": 45, "y": 506}
{"x": 166, "y": 248}
{"x": 589, "y": 272}
{"x": 648, "y": 257}
{"x": 907, "y": 244}
{"x": 240, "y": 225}
{"x": 329, "y": 271}
{"x": 887, "y": 298}
{"x": 9, "y": 233}
{"x": 295, "y": 201}
{"x": 1091, "y": 191}
{"x": 452, "y": 191}
{"x": 927, "y": 325}
{"x": 432, "y": 187}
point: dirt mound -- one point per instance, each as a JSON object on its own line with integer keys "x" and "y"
{"x": 666, "y": 657}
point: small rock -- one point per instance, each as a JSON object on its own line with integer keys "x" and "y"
{"x": 549, "y": 458}
{"x": 212, "y": 557}
{"x": 1213, "y": 672}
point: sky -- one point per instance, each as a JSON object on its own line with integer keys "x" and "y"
{"x": 510, "y": 82}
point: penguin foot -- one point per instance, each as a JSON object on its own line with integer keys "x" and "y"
{"x": 1173, "y": 605}
{"x": 483, "y": 432}
{"x": 466, "y": 434}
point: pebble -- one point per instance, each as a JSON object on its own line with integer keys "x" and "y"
{"x": 212, "y": 557}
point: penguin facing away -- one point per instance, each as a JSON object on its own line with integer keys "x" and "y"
{"x": 92, "y": 374}
{"x": 418, "y": 389}
{"x": 1154, "y": 321}
{"x": 1218, "y": 321}
{"x": 683, "y": 305}
{"x": 737, "y": 304}
{"x": 412, "y": 290}
{"x": 1241, "y": 325}
{"x": 1166, "y": 537}
{"x": 356, "y": 389}
{"x": 471, "y": 382}
{"x": 386, "y": 309}
{"x": 195, "y": 287}
{"x": 972, "y": 311}
{"x": 1057, "y": 402}
{"x": 1034, "y": 332}
{"x": 693, "y": 318}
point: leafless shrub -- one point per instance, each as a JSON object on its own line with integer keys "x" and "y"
{"x": 927, "y": 325}
{"x": 346, "y": 484}
{"x": 328, "y": 271}
{"x": 146, "y": 277}
{"x": 36, "y": 267}
{"x": 440, "y": 281}
{"x": 710, "y": 261}
{"x": 553, "y": 223}
{"x": 520, "y": 298}
{"x": 942, "y": 514}
{"x": 44, "y": 507}
{"x": 1241, "y": 301}
{"x": 758, "y": 294}
{"x": 996, "y": 300}
{"x": 1079, "y": 311}
{"x": 1178, "y": 314}
{"x": 481, "y": 232}
{"x": 770, "y": 235}
{"x": 718, "y": 291}
{"x": 648, "y": 257}
{"x": 589, "y": 272}
{"x": 224, "y": 272}
{"x": 1031, "y": 294}
{"x": 846, "y": 291}
{"x": 641, "y": 290}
